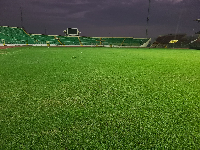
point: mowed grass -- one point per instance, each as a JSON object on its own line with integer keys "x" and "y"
{"x": 102, "y": 98}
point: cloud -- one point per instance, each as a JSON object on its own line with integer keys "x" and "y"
{"x": 172, "y": 1}
{"x": 100, "y": 17}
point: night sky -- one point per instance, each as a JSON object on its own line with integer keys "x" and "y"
{"x": 109, "y": 18}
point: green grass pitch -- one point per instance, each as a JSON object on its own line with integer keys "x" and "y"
{"x": 99, "y": 98}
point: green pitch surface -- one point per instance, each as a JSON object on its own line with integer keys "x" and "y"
{"x": 99, "y": 98}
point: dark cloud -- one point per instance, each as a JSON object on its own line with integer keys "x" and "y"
{"x": 118, "y": 15}
{"x": 103, "y": 17}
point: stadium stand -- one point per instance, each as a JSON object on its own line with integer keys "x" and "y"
{"x": 44, "y": 39}
{"x": 174, "y": 41}
{"x": 134, "y": 42}
{"x": 65, "y": 40}
{"x": 14, "y": 35}
{"x": 89, "y": 41}
{"x": 195, "y": 44}
{"x": 114, "y": 41}
{"x": 18, "y": 36}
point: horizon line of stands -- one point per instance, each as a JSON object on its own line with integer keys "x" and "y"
{"x": 18, "y": 36}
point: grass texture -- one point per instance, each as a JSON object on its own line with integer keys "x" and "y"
{"x": 99, "y": 98}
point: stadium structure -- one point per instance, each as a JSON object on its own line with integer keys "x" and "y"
{"x": 178, "y": 41}
{"x": 14, "y": 36}
{"x": 174, "y": 41}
